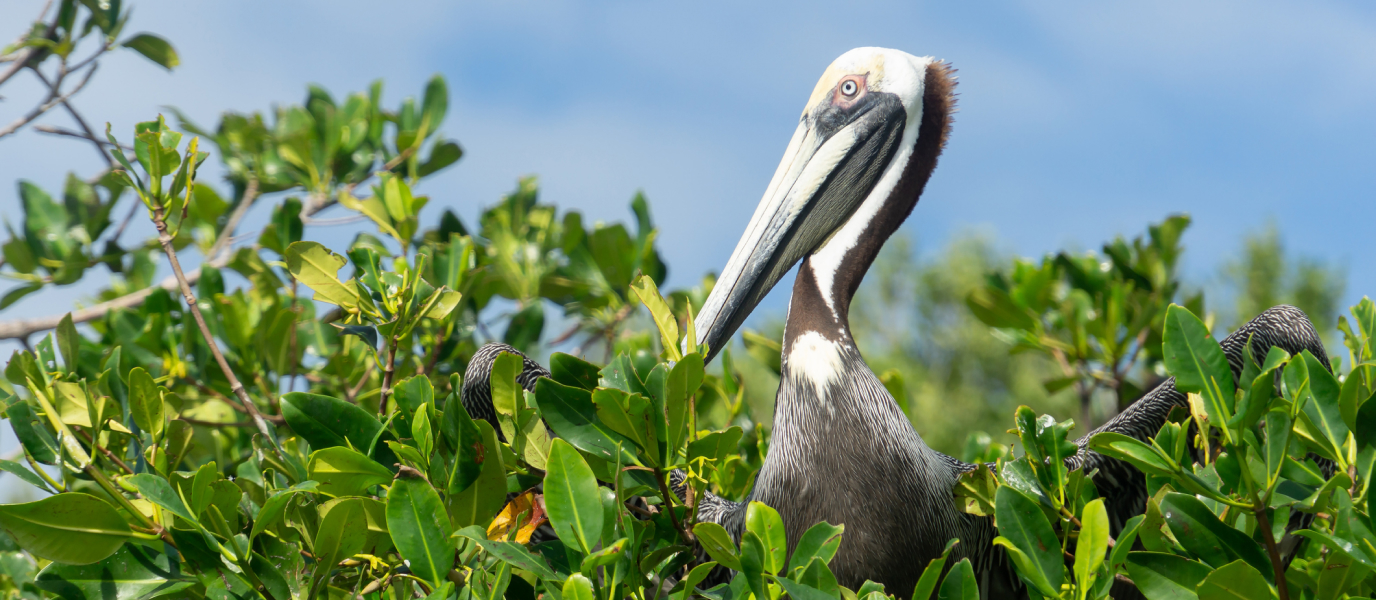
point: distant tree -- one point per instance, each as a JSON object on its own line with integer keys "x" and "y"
{"x": 1263, "y": 276}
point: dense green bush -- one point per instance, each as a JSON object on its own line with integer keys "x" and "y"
{"x": 282, "y": 431}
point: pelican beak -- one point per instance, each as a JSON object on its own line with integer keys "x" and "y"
{"x": 843, "y": 144}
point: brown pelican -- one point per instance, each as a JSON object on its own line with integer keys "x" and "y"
{"x": 841, "y": 449}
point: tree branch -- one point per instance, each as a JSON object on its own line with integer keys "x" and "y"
{"x": 216, "y": 257}
{"x": 51, "y": 130}
{"x": 55, "y": 97}
{"x": 71, "y": 110}
{"x": 22, "y": 60}
{"x": 165, "y": 239}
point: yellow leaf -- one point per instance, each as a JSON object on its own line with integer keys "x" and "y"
{"x": 528, "y": 508}
{"x": 317, "y": 267}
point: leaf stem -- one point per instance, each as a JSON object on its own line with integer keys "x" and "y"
{"x": 669, "y": 507}
{"x": 388, "y": 369}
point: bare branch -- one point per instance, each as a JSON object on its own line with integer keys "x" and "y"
{"x": 71, "y": 110}
{"x": 217, "y": 257}
{"x": 22, "y": 60}
{"x": 245, "y": 201}
{"x": 51, "y": 130}
{"x": 55, "y": 97}
{"x": 165, "y": 239}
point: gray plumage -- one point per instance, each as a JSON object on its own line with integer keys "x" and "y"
{"x": 476, "y": 392}
{"x": 857, "y": 460}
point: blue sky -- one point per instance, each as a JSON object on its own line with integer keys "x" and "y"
{"x": 1078, "y": 120}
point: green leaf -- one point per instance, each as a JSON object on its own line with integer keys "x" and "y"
{"x": 683, "y": 381}
{"x": 16, "y": 294}
{"x": 145, "y": 402}
{"x": 571, "y": 414}
{"x": 1323, "y": 405}
{"x": 753, "y": 563}
{"x": 1366, "y": 423}
{"x": 157, "y": 490}
{"x": 276, "y": 506}
{"x": 1126, "y": 537}
{"x": 325, "y": 422}
{"x": 819, "y": 541}
{"x": 435, "y": 103}
{"x": 1140, "y": 455}
{"x": 479, "y": 502}
{"x": 802, "y": 591}
{"x": 68, "y": 342}
{"x": 766, "y": 523}
{"x": 696, "y": 576}
{"x": 507, "y": 395}
{"x": 931, "y": 575}
{"x": 344, "y": 471}
{"x": 1198, "y": 529}
{"x": 342, "y": 533}
{"x": 1256, "y": 401}
{"x": 571, "y": 498}
{"x": 458, "y": 427}
{"x": 645, "y": 289}
{"x": 1027, "y": 568}
{"x": 607, "y": 556}
{"x": 1163, "y": 576}
{"x": 442, "y": 154}
{"x": 1234, "y": 581}
{"x": 1092, "y": 544}
{"x": 1198, "y": 364}
{"x": 71, "y": 528}
{"x": 819, "y": 577}
{"x": 578, "y": 587}
{"x": 420, "y": 528}
{"x": 317, "y": 267}
{"x": 1022, "y": 522}
{"x": 30, "y": 430}
{"x": 717, "y": 542}
{"x": 629, "y": 415}
{"x": 24, "y": 473}
{"x": 1277, "y": 443}
{"x": 155, "y": 49}
{"x": 510, "y": 552}
{"x": 421, "y": 432}
{"x": 573, "y": 371}
{"x": 995, "y": 308}
{"x": 960, "y": 583}
{"x": 130, "y": 573}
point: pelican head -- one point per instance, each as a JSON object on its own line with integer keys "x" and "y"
{"x": 845, "y": 182}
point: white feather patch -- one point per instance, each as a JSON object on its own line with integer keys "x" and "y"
{"x": 817, "y": 360}
{"x": 908, "y": 83}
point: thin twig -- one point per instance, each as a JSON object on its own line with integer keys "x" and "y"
{"x": 245, "y": 201}
{"x": 103, "y": 450}
{"x": 76, "y": 116}
{"x": 669, "y": 507}
{"x": 388, "y": 370}
{"x": 160, "y": 221}
{"x": 51, "y": 130}
{"x": 22, "y": 60}
{"x": 352, "y": 393}
{"x": 203, "y": 423}
{"x": 1264, "y": 524}
{"x": 55, "y": 97}
{"x": 22, "y": 328}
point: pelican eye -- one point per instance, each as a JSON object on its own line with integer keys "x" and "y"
{"x": 849, "y": 88}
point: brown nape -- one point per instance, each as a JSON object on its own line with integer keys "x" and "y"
{"x": 938, "y": 108}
